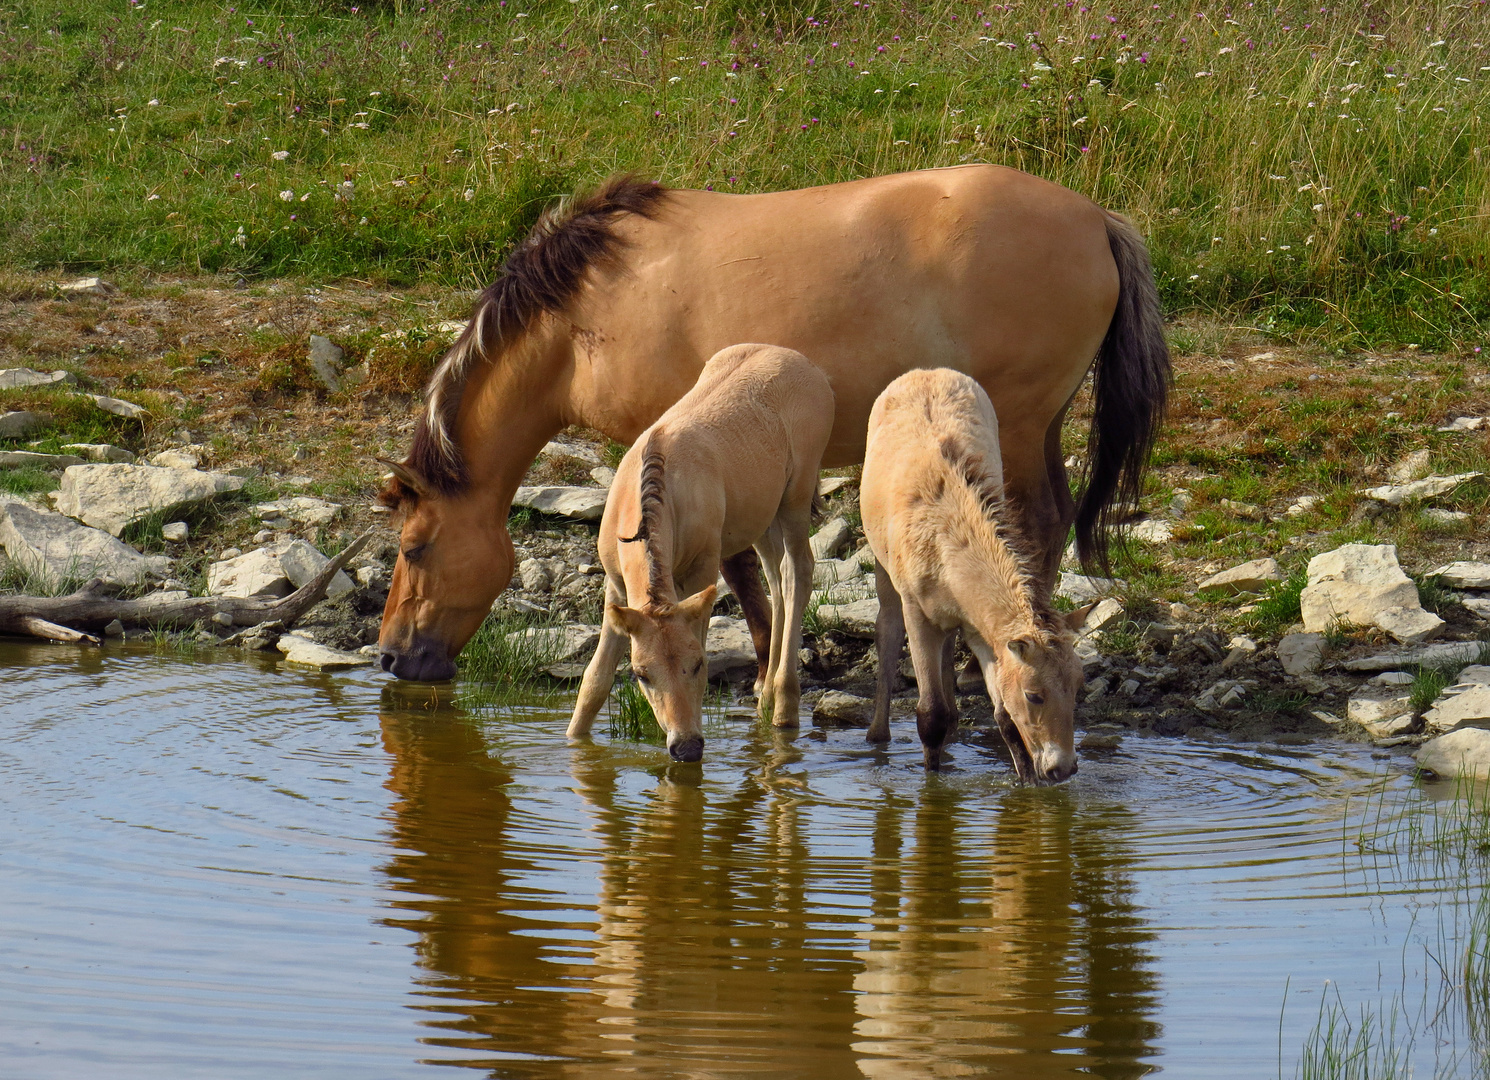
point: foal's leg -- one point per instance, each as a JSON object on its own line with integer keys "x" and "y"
{"x": 601, "y": 672}
{"x": 889, "y": 640}
{"x": 936, "y": 711}
{"x": 742, "y": 573}
{"x": 796, "y": 577}
{"x": 771, "y": 548}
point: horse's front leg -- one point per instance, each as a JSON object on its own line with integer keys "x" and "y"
{"x": 889, "y": 640}
{"x": 601, "y": 671}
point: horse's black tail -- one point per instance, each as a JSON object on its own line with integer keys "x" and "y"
{"x": 1130, "y": 383}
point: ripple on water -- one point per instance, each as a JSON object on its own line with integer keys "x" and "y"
{"x": 232, "y": 869}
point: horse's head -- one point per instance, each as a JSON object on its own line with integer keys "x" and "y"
{"x": 454, "y": 557}
{"x": 1038, "y": 678}
{"x": 667, "y": 657}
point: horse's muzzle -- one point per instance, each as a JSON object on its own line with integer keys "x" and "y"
{"x": 689, "y": 748}
{"x": 425, "y": 661}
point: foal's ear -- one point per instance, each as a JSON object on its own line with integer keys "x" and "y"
{"x": 1075, "y": 620}
{"x": 1020, "y": 648}
{"x": 697, "y": 607}
{"x": 629, "y": 619}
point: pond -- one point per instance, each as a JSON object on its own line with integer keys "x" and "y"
{"x": 214, "y": 868}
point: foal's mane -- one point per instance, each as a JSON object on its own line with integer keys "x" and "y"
{"x": 989, "y": 514}
{"x": 541, "y": 276}
{"x": 652, "y": 482}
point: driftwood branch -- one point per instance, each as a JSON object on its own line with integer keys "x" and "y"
{"x": 91, "y": 608}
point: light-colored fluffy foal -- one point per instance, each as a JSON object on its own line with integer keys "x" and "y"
{"x": 947, "y": 560}
{"x": 733, "y": 464}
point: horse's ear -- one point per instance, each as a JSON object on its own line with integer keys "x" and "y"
{"x": 1020, "y": 647}
{"x": 697, "y": 607}
{"x": 406, "y": 476}
{"x": 629, "y": 619}
{"x": 1075, "y": 620}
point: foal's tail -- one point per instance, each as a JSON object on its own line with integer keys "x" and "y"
{"x": 1130, "y": 382}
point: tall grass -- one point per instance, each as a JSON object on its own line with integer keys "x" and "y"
{"x": 631, "y": 716}
{"x": 1319, "y": 172}
{"x": 502, "y": 659}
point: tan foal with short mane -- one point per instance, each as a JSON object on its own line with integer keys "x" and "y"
{"x": 947, "y": 559}
{"x": 733, "y": 464}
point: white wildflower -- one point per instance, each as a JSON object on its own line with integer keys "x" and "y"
{"x": 280, "y": 155}
{"x": 287, "y": 195}
{"x": 470, "y": 194}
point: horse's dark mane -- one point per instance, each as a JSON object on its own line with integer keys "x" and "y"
{"x": 541, "y": 276}
{"x": 652, "y": 483}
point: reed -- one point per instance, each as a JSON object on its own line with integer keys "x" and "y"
{"x": 631, "y": 716}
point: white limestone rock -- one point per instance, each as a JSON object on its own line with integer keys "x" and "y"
{"x": 175, "y": 531}
{"x": 834, "y": 571}
{"x": 837, "y": 709}
{"x": 88, "y": 286}
{"x": 603, "y": 475}
{"x": 1465, "y": 752}
{"x": 110, "y": 497}
{"x": 1152, "y": 531}
{"x": 18, "y": 423}
{"x": 16, "y": 378}
{"x": 57, "y": 549}
{"x": 568, "y": 644}
{"x": 127, "y": 409}
{"x": 728, "y": 646}
{"x": 1301, "y": 654}
{"x": 1081, "y": 589}
{"x": 302, "y": 652}
{"x": 855, "y": 619}
{"x": 575, "y": 503}
{"x": 301, "y": 562}
{"x": 1249, "y": 577}
{"x": 1465, "y": 575}
{"x": 1410, "y": 467}
{"x": 830, "y": 541}
{"x": 301, "y": 508}
{"x": 1458, "y": 707}
{"x": 257, "y": 573}
{"x": 11, "y": 459}
{"x": 1426, "y": 488}
{"x": 1363, "y": 585}
{"x": 325, "y": 360}
{"x": 105, "y": 452}
{"x": 1368, "y": 708}
{"x": 829, "y": 484}
{"x": 179, "y": 457}
{"x": 1450, "y": 652}
{"x": 1106, "y": 613}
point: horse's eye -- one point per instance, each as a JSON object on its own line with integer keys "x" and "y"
{"x": 412, "y": 554}
{"x": 641, "y": 677}
{"x": 697, "y": 667}
{"x": 1033, "y": 699}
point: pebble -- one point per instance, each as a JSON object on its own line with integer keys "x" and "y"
{"x": 175, "y": 531}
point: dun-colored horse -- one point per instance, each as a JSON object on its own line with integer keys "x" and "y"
{"x": 733, "y": 464}
{"x": 604, "y": 315}
{"x": 947, "y": 558}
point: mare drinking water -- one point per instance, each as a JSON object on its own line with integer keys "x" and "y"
{"x": 948, "y": 557}
{"x": 733, "y": 464}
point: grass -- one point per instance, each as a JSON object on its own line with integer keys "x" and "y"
{"x": 1279, "y": 606}
{"x": 1318, "y": 174}
{"x": 631, "y": 716}
{"x": 26, "y": 480}
{"x": 502, "y": 659}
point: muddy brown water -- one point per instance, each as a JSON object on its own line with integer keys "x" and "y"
{"x": 230, "y": 869}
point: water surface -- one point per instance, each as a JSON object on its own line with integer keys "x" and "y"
{"x": 233, "y": 869}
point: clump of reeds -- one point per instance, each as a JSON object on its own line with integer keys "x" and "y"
{"x": 631, "y": 716}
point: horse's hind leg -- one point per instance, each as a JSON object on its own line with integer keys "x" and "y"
{"x": 889, "y": 640}
{"x": 601, "y": 672}
{"x": 936, "y": 711}
{"x": 742, "y": 573}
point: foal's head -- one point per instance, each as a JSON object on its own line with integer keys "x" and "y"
{"x": 667, "y": 657}
{"x": 1038, "y": 677}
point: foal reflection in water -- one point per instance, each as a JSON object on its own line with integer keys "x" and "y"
{"x": 733, "y": 464}
{"x": 948, "y": 559}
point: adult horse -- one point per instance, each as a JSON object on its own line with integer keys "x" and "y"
{"x": 605, "y": 315}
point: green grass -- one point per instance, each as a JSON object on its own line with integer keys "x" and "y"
{"x": 1319, "y": 174}
{"x": 1279, "y": 607}
{"x": 500, "y": 664}
{"x": 26, "y": 480}
{"x": 631, "y": 716}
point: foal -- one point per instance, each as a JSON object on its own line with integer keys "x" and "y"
{"x": 946, "y": 558}
{"x": 733, "y": 464}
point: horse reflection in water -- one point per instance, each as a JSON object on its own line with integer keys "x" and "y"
{"x": 738, "y": 922}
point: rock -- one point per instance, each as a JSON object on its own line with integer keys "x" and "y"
{"x": 258, "y": 573}
{"x": 855, "y": 619}
{"x": 1246, "y": 511}
{"x": 301, "y": 562}
{"x": 302, "y": 652}
{"x": 88, "y": 286}
{"x": 1477, "y": 606}
{"x": 11, "y": 459}
{"x": 1180, "y": 505}
{"x": 1464, "y": 575}
{"x": 371, "y": 577}
{"x": 1461, "y": 753}
{"x": 1088, "y": 653}
{"x": 830, "y": 540}
{"x": 1302, "y": 505}
{"x": 326, "y": 362}
{"x": 1372, "y": 708}
{"x": 1249, "y": 577}
{"x": 1239, "y": 650}
{"x": 301, "y": 508}
{"x": 127, "y": 409}
{"x": 728, "y": 646}
{"x": 833, "y": 571}
{"x": 1410, "y": 467}
{"x": 566, "y": 449}
{"x": 1080, "y": 589}
{"x": 1181, "y": 612}
{"x": 175, "y": 532}
{"x": 1224, "y": 694}
{"x": 181, "y": 457}
{"x": 1440, "y": 516}
{"x": 57, "y": 549}
{"x": 1475, "y": 675}
{"x": 603, "y": 475}
{"x": 1466, "y": 423}
{"x": 1101, "y": 740}
{"x": 115, "y": 629}
{"x": 16, "y": 378}
{"x": 1453, "y": 652}
{"x": 1393, "y": 678}
{"x": 1429, "y": 486}
{"x": 829, "y": 484}
{"x": 571, "y": 643}
{"x": 1301, "y": 654}
{"x": 111, "y": 497}
{"x": 537, "y": 575}
{"x": 575, "y": 503}
{"x": 1459, "y": 707}
{"x": 18, "y": 424}
{"x": 837, "y": 709}
{"x": 1363, "y": 584}
{"x": 106, "y": 452}
{"x": 232, "y": 553}
{"x": 1107, "y": 612}
{"x": 1152, "y": 531}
